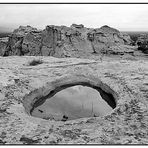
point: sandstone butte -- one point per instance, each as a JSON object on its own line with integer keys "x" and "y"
{"x": 61, "y": 41}
{"x": 124, "y": 76}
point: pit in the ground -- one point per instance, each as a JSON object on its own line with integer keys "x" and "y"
{"x": 75, "y": 102}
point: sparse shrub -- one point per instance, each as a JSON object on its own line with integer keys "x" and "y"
{"x": 143, "y": 46}
{"x": 35, "y": 62}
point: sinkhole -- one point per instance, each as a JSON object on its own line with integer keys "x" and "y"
{"x": 73, "y": 101}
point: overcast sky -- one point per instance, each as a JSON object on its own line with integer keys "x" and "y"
{"x": 123, "y": 17}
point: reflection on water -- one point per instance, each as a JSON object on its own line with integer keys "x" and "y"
{"x": 72, "y": 103}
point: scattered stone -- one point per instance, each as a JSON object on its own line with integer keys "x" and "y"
{"x": 65, "y": 118}
{"x": 26, "y": 140}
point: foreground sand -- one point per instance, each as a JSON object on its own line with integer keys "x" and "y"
{"x": 126, "y": 124}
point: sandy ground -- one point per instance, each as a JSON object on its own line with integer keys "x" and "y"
{"x": 127, "y": 76}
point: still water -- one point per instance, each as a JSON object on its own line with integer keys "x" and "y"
{"x": 72, "y": 103}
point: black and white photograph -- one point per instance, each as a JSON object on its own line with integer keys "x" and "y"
{"x": 73, "y": 73}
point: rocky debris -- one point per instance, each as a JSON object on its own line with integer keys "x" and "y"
{"x": 126, "y": 124}
{"x": 119, "y": 50}
{"x": 62, "y": 41}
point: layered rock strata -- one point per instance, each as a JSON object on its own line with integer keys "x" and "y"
{"x": 62, "y": 41}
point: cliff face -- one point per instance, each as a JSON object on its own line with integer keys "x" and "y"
{"x": 3, "y": 44}
{"x": 62, "y": 41}
{"x": 105, "y": 37}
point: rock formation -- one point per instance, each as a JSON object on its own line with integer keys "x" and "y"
{"x": 142, "y": 43}
{"x": 62, "y": 41}
{"x": 3, "y": 44}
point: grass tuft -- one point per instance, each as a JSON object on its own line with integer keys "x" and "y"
{"x": 35, "y": 62}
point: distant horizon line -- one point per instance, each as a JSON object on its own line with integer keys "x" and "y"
{"x": 120, "y": 29}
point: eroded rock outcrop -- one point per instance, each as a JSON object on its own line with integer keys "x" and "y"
{"x": 3, "y": 44}
{"x": 105, "y": 38}
{"x": 62, "y": 41}
{"x": 142, "y": 43}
